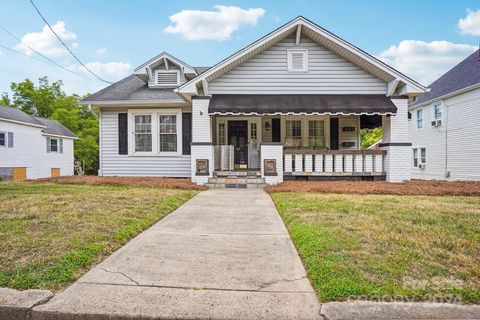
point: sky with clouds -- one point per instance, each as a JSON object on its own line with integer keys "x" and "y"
{"x": 423, "y": 39}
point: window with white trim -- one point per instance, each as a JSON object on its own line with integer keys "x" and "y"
{"x": 253, "y": 131}
{"x": 3, "y": 139}
{"x": 221, "y": 133}
{"x": 168, "y": 132}
{"x": 54, "y": 145}
{"x": 437, "y": 111}
{"x": 297, "y": 60}
{"x": 167, "y": 77}
{"x": 143, "y": 132}
{"x": 316, "y": 133}
{"x": 419, "y": 157}
{"x": 419, "y": 118}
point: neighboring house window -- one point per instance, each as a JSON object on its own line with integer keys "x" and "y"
{"x": 54, "y": 145}
{"x": 3, "y": 139}
{"x": 419, "y": 157}
{"x": 293, "y": 134}
{"x": 221, "y": 133}
{"x": 253, "y": 131}
{"x": 167, "y": 77}
{"x": 316, "y": 133}
{"x": 168, "y": 133}
{"x": 419, "y": 118}
{"x": 297, "y": 60}
{"x": 437, "y": 111}
{"x": 143, "y": 133}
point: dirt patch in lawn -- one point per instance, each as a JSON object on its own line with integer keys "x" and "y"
{"x": 169, "y": 183}
{"x": 414, "y": 187}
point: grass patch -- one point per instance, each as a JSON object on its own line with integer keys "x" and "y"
{"x": 50, "y": 234}
{"x": 377, "y": 247}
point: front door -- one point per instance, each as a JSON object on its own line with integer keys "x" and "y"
{"x": 238, "y": 138}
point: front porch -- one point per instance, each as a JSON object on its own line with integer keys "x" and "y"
{"x": 296, "y": 142}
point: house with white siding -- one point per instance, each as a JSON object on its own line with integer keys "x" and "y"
{"x": 288, "y": 106}
{"x": 444, "y": 129}
{"x": 33, "y": 147}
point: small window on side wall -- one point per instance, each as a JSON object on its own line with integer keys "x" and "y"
{"x": 54, "y": 145}
{"x": 297, "y": 60}
{"x": 3, "y": 139}
{"x": 419, "y": 119}
{"x": 437, "y": 113}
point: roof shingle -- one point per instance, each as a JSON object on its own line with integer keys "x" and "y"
{"x": 463, "y": 75}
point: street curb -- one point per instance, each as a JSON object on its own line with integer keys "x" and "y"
{"x": 17, "y": 305}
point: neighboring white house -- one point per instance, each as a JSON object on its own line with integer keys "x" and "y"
{"x": 33, "y": 147}
{"x": 445, "y": 125}
{"x": 290, "y": 105}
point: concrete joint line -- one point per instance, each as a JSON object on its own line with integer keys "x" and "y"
{"x": 268, "y": 284}
{"x": 123, "y": 274}
{"x": 192, "y": 288}
{"x": 28, "y": 314}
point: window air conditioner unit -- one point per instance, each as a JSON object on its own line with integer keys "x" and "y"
{"x": 421, "y": 166}
{"x": 436, "y": 123}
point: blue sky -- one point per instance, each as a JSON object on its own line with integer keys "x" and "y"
{"x": 421, "y": 38}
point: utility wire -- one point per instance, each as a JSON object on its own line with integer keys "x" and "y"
{"x": 66, "y": 47}
{"x": 40, "y": 54}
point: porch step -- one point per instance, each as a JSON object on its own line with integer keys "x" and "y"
{"x": 235, "y": 174}
{"x": 228, "y": 182}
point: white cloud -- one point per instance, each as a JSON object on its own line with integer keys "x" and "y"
{"x": 425, "y": 61}
{"x": 212, "y": 25}
{"x": 47, "y": 43}
{"x": 470, "y": 25}
{"x": 101, "y": 51}
{"x": 110, "y": 70}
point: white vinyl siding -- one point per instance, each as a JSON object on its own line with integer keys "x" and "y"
{"x": 114, "y": 164}
{"x": 328, "y": 73}
{"x": 28, "y": 150}
{"x": 455, "y": 145}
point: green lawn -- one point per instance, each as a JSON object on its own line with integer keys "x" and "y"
{"x": 377, "y": 247}
{"x": 50, "y": 234}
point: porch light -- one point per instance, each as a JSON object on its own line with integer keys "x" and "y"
{"x": 267, "y": 126}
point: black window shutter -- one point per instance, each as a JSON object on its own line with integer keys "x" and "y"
{"x": 333, "y": 133}
{"x": 186, "y": 133}
{"x": 276, "y": 130}
{"x": 122, "y": 133}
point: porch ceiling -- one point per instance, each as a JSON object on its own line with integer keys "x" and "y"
{"x": 288, "y": 104}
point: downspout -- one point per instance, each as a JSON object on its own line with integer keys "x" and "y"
{"x": 447, "y": 173}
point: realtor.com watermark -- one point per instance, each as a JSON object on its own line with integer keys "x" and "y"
{"x": 446, "y": 288}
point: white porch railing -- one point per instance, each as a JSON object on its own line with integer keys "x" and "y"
{"x": 333, "y": 162}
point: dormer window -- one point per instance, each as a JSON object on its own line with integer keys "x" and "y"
{"x": 297, "y": 60}
{"x": 167, "y": 77}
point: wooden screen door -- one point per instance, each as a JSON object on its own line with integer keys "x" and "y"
{"x": 238, "y": 138}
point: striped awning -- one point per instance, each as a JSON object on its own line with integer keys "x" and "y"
{"x": 299, "y": 104}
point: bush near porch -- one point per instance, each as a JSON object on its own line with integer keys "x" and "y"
{"x": 386, "y": 247}
{"x": 50, "y": 234}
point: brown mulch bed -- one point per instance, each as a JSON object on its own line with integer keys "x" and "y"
{"x": 170, "y": 183}
{"x": 414, "y": 187}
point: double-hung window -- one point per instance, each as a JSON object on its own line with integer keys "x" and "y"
{"x": 3, "y": 139}
{"x": 54, "y": 145}
{"x": 316, "y": 133}
{"x": 143, "y": 132}
{"x": 419, "y": 157}
{"x": 294, "y": 131}
{"x": 419, "y": 118}
{"x": 168, "y": 133}
{"x": 437, "y": 111}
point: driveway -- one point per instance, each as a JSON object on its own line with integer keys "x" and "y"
{"x": 225, "y": 254}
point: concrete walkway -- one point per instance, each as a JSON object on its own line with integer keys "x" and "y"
{"x": 225, "y": 254}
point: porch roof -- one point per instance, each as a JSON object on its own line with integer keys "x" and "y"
{"x": 293, "y": 104}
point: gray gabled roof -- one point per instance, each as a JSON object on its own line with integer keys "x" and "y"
{"x": 463, "y": 75}
{"x": 201, "y": 70}
{"x": 132, "y": 88}
{"x": 55, "y": 128}
{"x": 48, "y": 126}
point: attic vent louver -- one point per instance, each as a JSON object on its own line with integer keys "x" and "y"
{"x": 163, "y": 78}
{"x": 297, "y": 60}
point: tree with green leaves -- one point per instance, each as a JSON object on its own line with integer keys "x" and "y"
{"x": 48, "y": 100}
{"x": 369, "y": 137}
